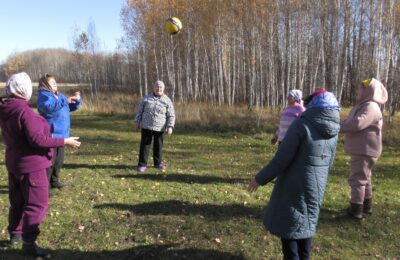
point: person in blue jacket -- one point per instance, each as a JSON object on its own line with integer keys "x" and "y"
{"x": 56, "y": 108}
{"x": 300, "y": 166}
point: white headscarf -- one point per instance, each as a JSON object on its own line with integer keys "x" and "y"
{"x": 296, "y": 94}
{"x": 19, "y": 85}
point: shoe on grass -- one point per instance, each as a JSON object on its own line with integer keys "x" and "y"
{"x": 14, "y": 240}
{"x": 141, "y": 168}
{"x": 58, "y": 185}
{"x": 161, "y": 167}
{"x": 32, "y": 249}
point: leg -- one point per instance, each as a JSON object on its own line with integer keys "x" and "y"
{"x": 157, "y": 148}
{"x": 51, "y": 169}
{"x": 58, "y": 162}
{"x": 368, "y": 187}
{"x": 304, "y": 248}
{"x": 35, "y": 191}
{"x": 15, "y": 195}
{"x": 289, "y": 249}
{"x": 359, "y": 177}
{"x": 145, "y": 142}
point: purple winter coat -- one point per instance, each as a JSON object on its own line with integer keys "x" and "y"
{"x": 26, "y": 136}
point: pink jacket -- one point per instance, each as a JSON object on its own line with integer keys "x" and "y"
{"x": 363, "y": 127}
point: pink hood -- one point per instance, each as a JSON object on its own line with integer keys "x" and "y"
{"x": 375, "y": 92}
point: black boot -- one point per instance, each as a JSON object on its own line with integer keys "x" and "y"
{"x": 31, "y": 249}
{"x": 368, "y": 206}
{"x": 355, "y": 210}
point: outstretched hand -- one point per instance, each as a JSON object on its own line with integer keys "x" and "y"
{"x": 253, "y": 186}
{"x": 72, "y": 142}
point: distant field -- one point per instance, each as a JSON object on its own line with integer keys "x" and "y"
{"x": 199, "y": 208}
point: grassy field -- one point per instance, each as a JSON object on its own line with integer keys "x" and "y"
{"x": 199, "y": 208}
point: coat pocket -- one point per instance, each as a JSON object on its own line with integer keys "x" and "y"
{"x": 38, "y": 179}
{"x": 297, "y": 221}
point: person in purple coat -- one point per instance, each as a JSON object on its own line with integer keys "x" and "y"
{"x": 27, "y": 156}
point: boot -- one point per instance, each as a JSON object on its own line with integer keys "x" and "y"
{"x": 355, "y": 210}
{"x": 368, "y": 206}
{"x": 31, "y": 249}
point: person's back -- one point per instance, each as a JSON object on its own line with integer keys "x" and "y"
{"x": 23, "y": 152}
{"x": 301, "y": 167}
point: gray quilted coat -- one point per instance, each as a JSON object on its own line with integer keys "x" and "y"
{"x": 155, "y": 113}
{"x": 301, "y": 167}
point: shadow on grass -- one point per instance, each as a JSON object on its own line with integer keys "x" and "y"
{"x": 175, "y": 207}
{"x": 141, "y": 252}
{"x": 97, "y": 166}
{"x": 184, "y": 178}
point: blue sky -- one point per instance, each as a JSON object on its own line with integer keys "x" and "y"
{"x": 32, "y": 24}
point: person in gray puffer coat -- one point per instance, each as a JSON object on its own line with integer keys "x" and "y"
{"x": 154, "y": 116}
{"x": 301, "y": 167}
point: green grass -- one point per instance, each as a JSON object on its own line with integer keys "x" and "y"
{"x": 198, "y": 209}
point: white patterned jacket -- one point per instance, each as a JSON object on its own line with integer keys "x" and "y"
{"x": 155, "y": 113}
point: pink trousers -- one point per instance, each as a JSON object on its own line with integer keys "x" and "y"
{"x": 360, "y": 178}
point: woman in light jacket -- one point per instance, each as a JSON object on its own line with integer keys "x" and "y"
{"x": 155, "y": 116}
{"x": 363, "y": 141}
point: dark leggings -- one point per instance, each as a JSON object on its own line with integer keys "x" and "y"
{"x": 145, "y": 142}
{"x": 296, "y": 249}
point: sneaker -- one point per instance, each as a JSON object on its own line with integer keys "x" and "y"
{"x": 14, "y": 240}
{"x": 141, "y": 168}
{"x": 161, "y": 167}
{"x": 31, "y": 249}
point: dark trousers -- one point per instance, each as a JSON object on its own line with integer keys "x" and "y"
{"x": 53, "y": 173}
{"x": 28, "y": 195}
{"x": 296, "y": 249}
{"x": 145, "y": 142}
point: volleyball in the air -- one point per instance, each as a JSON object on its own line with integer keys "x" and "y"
{"x": 173, "y": 25}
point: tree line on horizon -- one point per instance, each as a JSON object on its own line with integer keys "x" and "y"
{"x": 237, "y": 52}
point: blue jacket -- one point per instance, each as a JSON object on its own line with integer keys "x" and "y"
{"x": 300, "y": 167}
{"x": 56, "y": 112}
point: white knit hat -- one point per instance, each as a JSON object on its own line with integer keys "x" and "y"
{"x": 296, "y": 94}
{"x": 19, "y": 85}
{"x": 159, "y": 83}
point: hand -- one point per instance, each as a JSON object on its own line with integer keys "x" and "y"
{"x": 72, "y": 142}
{"x": 169, "y": 131}
{"x": 274, "y": 140}
{"x": 73, "y": 99}
{"x": 77, "y": 95}
{"x": 253, "y": 186}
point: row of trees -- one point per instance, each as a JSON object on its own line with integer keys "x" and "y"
{"x": 255, "y": 51}
{"x": 242, "y": 51}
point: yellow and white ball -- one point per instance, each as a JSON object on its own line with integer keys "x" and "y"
{"x": 173, "y": 25}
